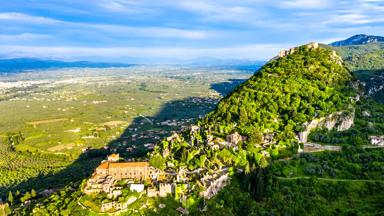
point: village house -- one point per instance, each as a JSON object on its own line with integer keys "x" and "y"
{"x": 136, "y": 187}
{"x": 114, "y": 158}
{"x": 377, "y": 140}
{"x": 163, "y": 191}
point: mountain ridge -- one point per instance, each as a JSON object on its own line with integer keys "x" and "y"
{"x": 358, "y": 39}
{"x": 15, "y": 65}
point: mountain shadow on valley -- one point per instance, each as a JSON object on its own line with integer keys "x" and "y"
{"x": 224, "y": 88}
{"x": 133, "y": 144}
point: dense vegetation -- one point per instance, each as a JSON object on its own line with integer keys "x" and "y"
{"x": 366, "y": 63}
{"x": 277, "y": 100}
{"x": 373, "y": 83}
{"x": 23, "y": 171}
{"x": 338, "y": 183}
{"x": 286, "y": 93}
{"x": 363, "y": 57}
{"x": 369, "y": 120}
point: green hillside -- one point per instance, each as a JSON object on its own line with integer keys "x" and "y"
{"x": 274, "y": 103}
{"x": 367, "y": 65}
{"x": 362, "y": 57}
{"x": 286, "y": 93}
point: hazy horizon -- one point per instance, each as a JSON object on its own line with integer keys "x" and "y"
{"x": 172, "y": 31}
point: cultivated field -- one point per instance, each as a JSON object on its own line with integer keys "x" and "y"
{"x": 69, "y": 112}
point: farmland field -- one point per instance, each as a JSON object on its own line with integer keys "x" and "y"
{"x": 52, "y": 120}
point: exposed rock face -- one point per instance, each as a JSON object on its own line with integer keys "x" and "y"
{"x": 377, "y": 140}
{"x": 340, "y": 121}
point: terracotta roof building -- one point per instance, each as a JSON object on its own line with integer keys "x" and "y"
{"x": 129, "y": 170}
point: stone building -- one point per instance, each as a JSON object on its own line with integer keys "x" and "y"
{"x": 235, "y": 138}
{"x": 136, "y": 187}
{"x": 163, "y": 191}
{"x": 108, "y": 172}
{"x": 113, "y": 158}
{"x": 129, "y": 170}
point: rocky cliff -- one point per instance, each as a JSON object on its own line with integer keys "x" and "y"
{"x": 340, "y": 121}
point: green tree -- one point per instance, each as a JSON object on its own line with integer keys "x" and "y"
{"x": 157, "y": 161}
{"x": 255, "y": 137}
{"x": 26, "y": 197}
{"x": 10, "y": 197}
{"x": 33, "y": 193}
{"x": 229, "y": 117}
{"x": 243, "y": 116}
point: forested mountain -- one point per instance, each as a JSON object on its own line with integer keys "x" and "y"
{"x": 362, "y": 57}
{"x": 268, "y": 111}
{"x": 286, "y": 93}
{"x": 275, "y": 102}
{"x": 358, "y": 40}
{"x": 367, "y": 64}
{"x": 348, "y": 182}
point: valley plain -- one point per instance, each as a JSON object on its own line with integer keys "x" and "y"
{"x": 50, "y": 118}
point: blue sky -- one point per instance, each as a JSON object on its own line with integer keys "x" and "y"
{"x": 177, "y": 30}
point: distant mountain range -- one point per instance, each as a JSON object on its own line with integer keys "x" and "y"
{"x": 359, "y": 39}
{"x": 25, "y": 64}
{"x": 16, "y": 65}
{"x": 229, "y": 64}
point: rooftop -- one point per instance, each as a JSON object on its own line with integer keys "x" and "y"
{"x": 103, "y": 165}
{"x": 129, "y": 164}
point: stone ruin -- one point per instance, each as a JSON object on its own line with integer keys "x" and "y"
{"x": 214, "y": 185}
{"x": 311, "y": 46}
{"x": 234, "y": 139}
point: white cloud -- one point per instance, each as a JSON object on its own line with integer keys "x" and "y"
{"x": 23, "y": 36}
{"x": 27, "y": 18}
{"x": 250, "y": 51}
{"x": 306, "y": 4}
{"x": 151, "y": 32}
{"x": 127, "y": 6}
{"x": 145, "y": 31}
